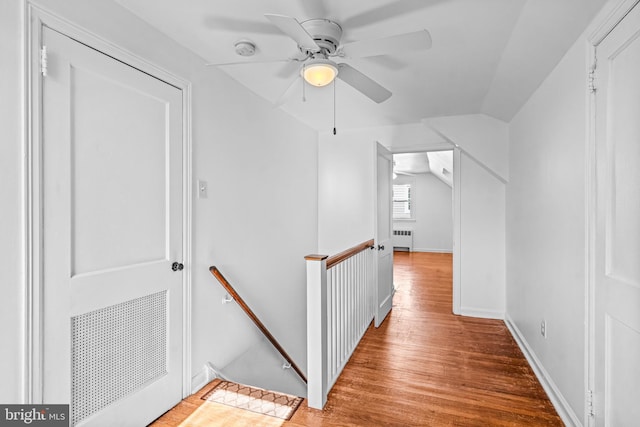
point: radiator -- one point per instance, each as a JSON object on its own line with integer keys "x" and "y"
{"x": 403, "y": 239}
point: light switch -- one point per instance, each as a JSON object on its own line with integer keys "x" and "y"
{"x": 202, "y": 189}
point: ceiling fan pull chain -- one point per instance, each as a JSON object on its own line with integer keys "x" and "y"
{"x": 334, "y": 106}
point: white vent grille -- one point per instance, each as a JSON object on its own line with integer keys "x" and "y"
{"x": 403, "y": 239}
{"x": 115, "y": 351}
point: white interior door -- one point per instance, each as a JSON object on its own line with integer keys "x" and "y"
{"x": 383, "y": 237}
{"x": 112, "y": 227}
{"x": 617, "y": 253}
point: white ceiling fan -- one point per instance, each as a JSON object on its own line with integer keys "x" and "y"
{"x": 319, "y": 41}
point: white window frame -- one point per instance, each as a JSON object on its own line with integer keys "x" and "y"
{"x": 398, "y": 199}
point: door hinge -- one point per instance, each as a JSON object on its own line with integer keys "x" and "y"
{"x": 592, "y": 79}
{"x": 43, "y": 61}
{"x": 590, "y": 409}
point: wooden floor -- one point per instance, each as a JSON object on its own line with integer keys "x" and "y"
{"x": 422, "y": 367}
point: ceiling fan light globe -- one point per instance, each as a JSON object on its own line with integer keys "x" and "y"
{"x": 319, "y": 73}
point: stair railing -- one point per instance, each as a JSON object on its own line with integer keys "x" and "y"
{"x": 340, "y": 308}
{"x": 245, "y": 307}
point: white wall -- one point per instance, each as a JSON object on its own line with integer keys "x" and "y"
{"x": 482, "y": 241}
{"x": 546, "y": 224}
{"x": 11, "y": 165}
{"x": 257, "y": 234}
{"x": 431, "y": 201}
{"x": 346, "y": 179}
{"x": 407, "y": 138}
{"x": 257, "y": 224}
{"x": 345, "y": 192}
{"x": 479, "y": 265}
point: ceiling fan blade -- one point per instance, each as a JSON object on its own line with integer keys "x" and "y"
{"x": 418, "y": 40}
{"x": 293, "y": 29}
{"x": 364, "y": 84}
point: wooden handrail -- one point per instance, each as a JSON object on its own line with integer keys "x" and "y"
{"x": 338, "y": 258}
{"x": 214, "y": 270}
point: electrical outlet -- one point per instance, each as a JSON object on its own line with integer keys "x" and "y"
{"x": 543, "y": 328}
{"x": 202, "y": 189}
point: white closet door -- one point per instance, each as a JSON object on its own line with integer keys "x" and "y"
{"x": 112, "y": 228}
{"x": 384, "y": 234}
{"x": 617, "y": 267}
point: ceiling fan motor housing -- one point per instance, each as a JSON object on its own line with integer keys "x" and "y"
{"x": 325, "y": 33}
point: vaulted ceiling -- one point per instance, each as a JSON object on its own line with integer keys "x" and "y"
{"x": 488, "y": 56}
{"x": 438, "y": 163}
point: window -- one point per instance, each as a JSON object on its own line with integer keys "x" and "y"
{"x": 402, "y": 201}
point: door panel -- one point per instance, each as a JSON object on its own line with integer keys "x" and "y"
{"x": 623, "y": 203}
{"x": 120, "y": 152}
{"x": 617, "y": 251}
{"x": 384, "y": 234}
{"x": 622, "y": 372}
{"x": 112, "y": 226}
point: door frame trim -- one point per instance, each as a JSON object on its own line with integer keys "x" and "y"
{"x": 602, "y": 30}
{"x": 35, "y": 19}
{"x": 456, "y": 214}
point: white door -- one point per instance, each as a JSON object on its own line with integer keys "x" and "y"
{"x": 617, "y": 252}
{"x": 383, "y": 237}
{"x": 112, "y": 227}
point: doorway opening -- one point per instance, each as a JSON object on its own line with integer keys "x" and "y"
{"x": 423, "y": 208}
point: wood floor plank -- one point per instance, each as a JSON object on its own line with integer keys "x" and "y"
{"x": 424, "y": 366}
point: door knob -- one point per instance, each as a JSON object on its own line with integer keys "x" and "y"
{"x": 381, "y": 247}
{"x": 176, "y": 266}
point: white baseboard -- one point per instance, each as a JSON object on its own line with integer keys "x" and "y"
{"x": 441, "y": 251}
{"x": 202, "y": 378}
{"x": 478, "y": 312}
{"x": 563, "y": 408}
